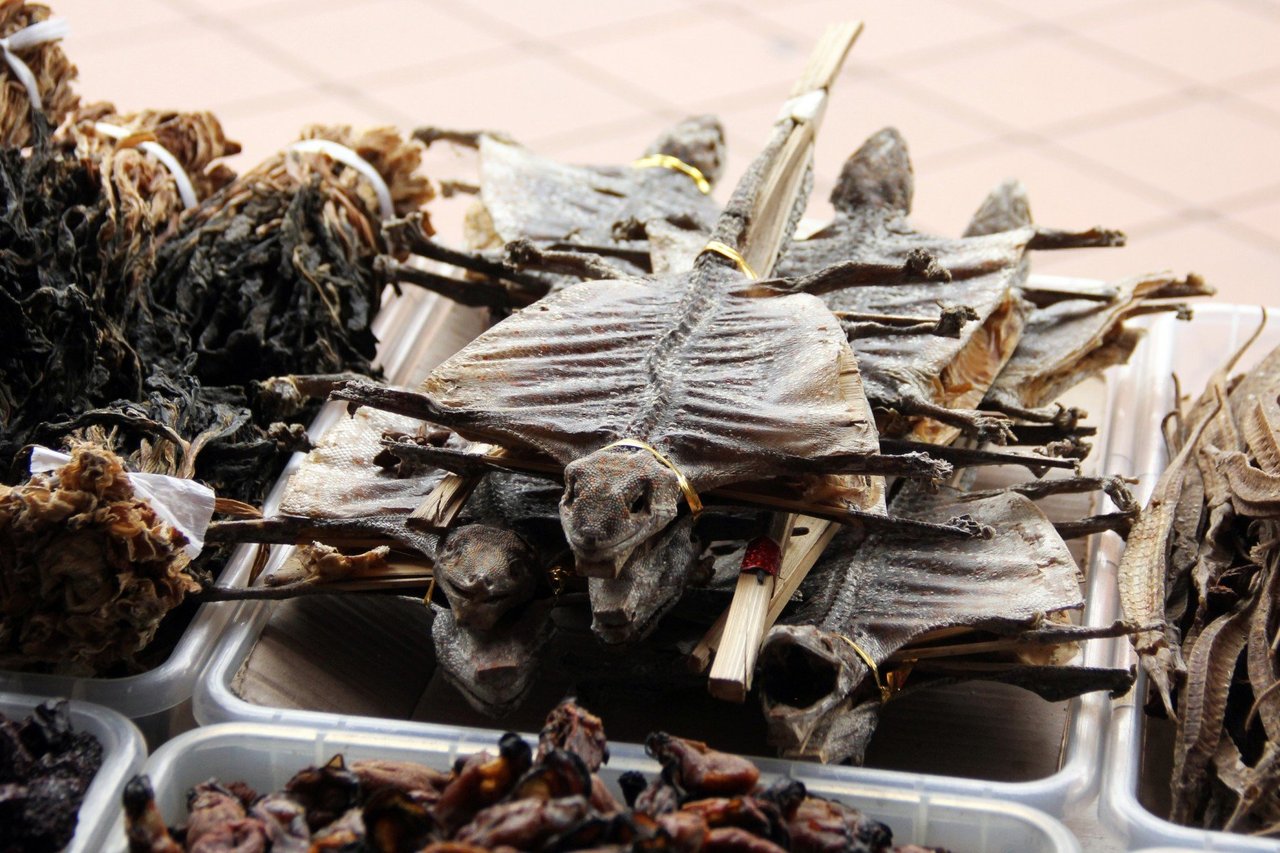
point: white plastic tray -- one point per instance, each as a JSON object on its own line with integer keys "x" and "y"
{"x": 1073, "y": 784}
{"x": 123, "y": 753}
{"x": 267, "y": 756}
{"x": 1193, "y": 350}
{"x": 158, "y": 700}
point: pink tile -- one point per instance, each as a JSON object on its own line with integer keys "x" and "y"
{"x": 1264, "y": 95}
{"x": 616, "y": 145}
{"x": 1071, "y": 11}
{"x": 92, "y": 19}
{"x": 357, "y": 40}
{"x": 1036, "y": 81}
{"x": 191, "y": 67}
{"x": 920, "y": 30}
{"x": 1242, "y": 271}
{"x": 614, "y": 19}
{"x": 1200, "y": 153}
{"x": 527, "y": 96}
{"x": 1062, "y": 195}
{"x": 1205, "y": 40}
{"x": 243, "y": 11}
{"x": 699, "y": 58}
{"x": 1263, "y": 218}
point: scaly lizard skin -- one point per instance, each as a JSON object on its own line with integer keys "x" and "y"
{"x": 1142, "y": 573}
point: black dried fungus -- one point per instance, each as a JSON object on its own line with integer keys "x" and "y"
{"x": 45, "y": 769}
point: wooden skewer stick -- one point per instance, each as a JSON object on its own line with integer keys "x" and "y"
{"x": 440, "y": 509}
{"x": 802, "y": 553}
{"x": 744, "y": 625}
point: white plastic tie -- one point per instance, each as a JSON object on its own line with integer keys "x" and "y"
{"x": 185, "y": 190}
{"x": 37, "y": 33}
{"x": 808, "y": 107}
{"x": 347, "y": 157}
{"x": 185, "y": 505}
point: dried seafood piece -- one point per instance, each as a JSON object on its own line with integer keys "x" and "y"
{"x": 326, "y": 792}
{"x": 573, "y": 728}
{"x": 45, "y": 769}
{"x": 819, "y": 694}
{"x": 52, "y": 71}
{"x": 144, "y": 826}
{"x": 825, "y": 826}
{"x": 699, "y": 770}
{"x": 89, "y": 569}
{"x": 930, "y": 379}
{"x": 482, "y": 780}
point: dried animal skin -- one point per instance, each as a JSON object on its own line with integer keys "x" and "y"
{"x": 89, "y": 569}
{"x": 1068, "y": 341}
{"x": 919, "y": 375}
{"x": 886, "y": 593}
{"x": 53, "y": 73}
{"x": 494, "y": 670}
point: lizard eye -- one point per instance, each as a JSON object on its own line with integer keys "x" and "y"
{"x": 640, "y": 502}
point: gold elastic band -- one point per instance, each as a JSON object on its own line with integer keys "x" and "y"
{"x": 690, "y": 495}
{"x": 732, "y": 254}
{"x": 886, "y": 689}
{"x": 666, "y": 161}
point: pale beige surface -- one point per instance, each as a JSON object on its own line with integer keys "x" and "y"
{"x": 1161, "y": 117}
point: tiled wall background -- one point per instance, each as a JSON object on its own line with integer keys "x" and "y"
{"x": 1161, "y": 117}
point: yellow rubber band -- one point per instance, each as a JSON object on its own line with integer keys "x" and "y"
{"x": 666, "y": 161}
{"x": 887, "y": 689}
{"x": 727, "y": 251}
{"x": 690, "y": 494}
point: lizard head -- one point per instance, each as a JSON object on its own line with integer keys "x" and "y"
{"x": 615, "y": 499}
{"x": 484, "y": 571}
{"x": 627, "y": 608}
{"x": 815, "y": 694}
{"x": 698, "y": 141}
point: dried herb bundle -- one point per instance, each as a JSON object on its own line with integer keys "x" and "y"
{"x": 52, "y": 70}
{"x": 87, "y": 568}
{"x": 47, "y": 768}
{"x": 274, "y": 274}
{"x": 522, "y": 798}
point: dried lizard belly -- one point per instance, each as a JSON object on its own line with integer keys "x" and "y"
{"x": 339, "y": 478}
{"x": 627, "y": 608}
{"x": 886, "y": 593}
{"x": 737, "y": 393}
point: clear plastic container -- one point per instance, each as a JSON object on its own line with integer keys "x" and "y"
{"x": 123, "y": 753}
{"x": 1193, "y": 351}
{"x": 266, "y": 756}
{"x": 1076, "y": 754}
{"x": 159, "y": 700}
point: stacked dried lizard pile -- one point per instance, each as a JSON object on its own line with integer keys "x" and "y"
{"x": 673, "y": 423}
{"x": 522, "y": 798}
{"x": 1203, "y": 566}
{"x": 45, "y": 771}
